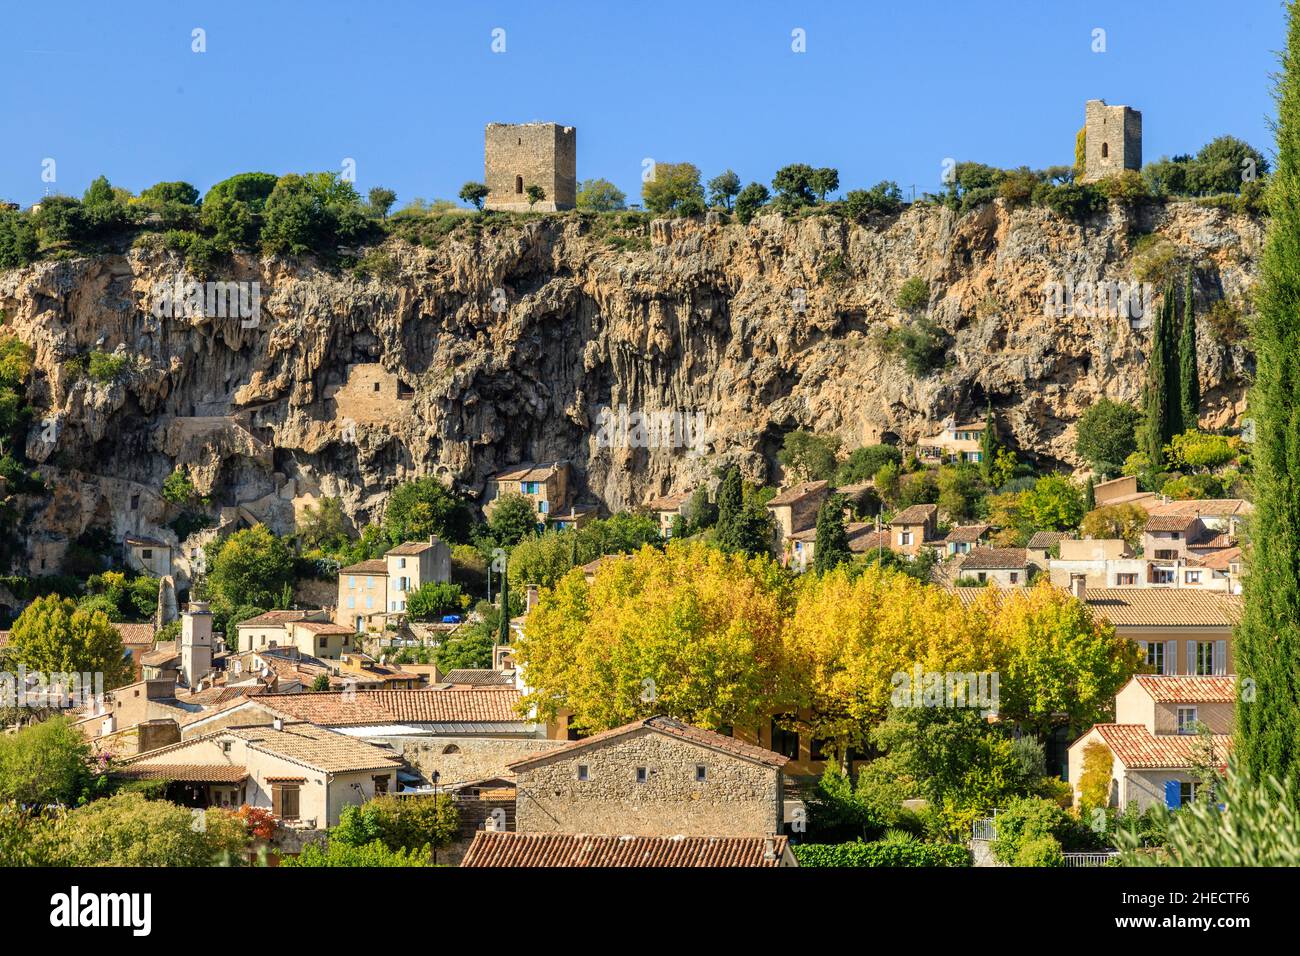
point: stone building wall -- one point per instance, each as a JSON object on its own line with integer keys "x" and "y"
{"x": 1113, "y": 140}
{"x": 737, "y": 797}
{"x": 460, "y": 759}
{"x": 519, "y": 155}
{"x": 372, "y": 394}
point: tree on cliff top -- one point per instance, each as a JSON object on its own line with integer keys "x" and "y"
{"x": 1268, "y": 638}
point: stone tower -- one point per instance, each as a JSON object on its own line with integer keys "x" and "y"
{"x": 196, "y": 643}
{"x": 1113, "y": 140}
{"x": 519, "y": 155}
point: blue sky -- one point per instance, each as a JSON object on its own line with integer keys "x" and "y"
{"x": 885, "y": 90}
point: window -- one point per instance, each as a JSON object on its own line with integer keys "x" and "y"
{"x": 641, "y": 775}
{"x": 583, "y": 773}
{"x": 1156, "y": 656}
{"x": 352, "y": 602}
{"x": 981, "y": 576}
{"x": 1187, "y": 720}
{"x": 146, "y": 554}
{"x": 1015, "y": 576}
{"x": 284, "y": 800}
{"x": 1125, "y": 580}
{"x": 701, "y": 773}
{"x": 324, "y": 643}
{"x": 905, "y": 538}
{"x": 817, "y": 749}
{"x": 370, "y": 602}
{"x": 135, "y": 502}
{"x": 543, "y": 506}
{"x": 519, "y": 183}
{"x": 381, "y": 784}
{"x": 401, "y": 563}
{"x": 352, "y": 582}
{"x": 370, "y": 582}
{"x": 1192, "y": 577}
{"x": 1105, "y": 150}
{"x": 1186, "y": 791}
{"x": 785, "y": 741}
{"x": 1204, "y": 658}
{"x": 1162, "y": 576}
{"x": 225, "y": 746}
{"x": 1164, "y": 554}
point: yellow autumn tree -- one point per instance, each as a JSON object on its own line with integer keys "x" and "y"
{"x": 1056, "y": 662}
{"x": 853, "y": 636}
{"x": 688, "y": 631}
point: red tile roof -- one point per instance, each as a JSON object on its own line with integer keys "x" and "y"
{"x": 1219, "y": 560}
{"x": 358, "y": 708}
{"x": 1164, "y": 607}
{"x": 917, "y": 514}
{"x": 799, "y": 492}
{"x": 1191, "y": 689}
{"x": 277, "y": 617}
{"x": 504, "y": 849}
{"x": 135, "y": 634}
{"x": 995, "y": 559}
{"x": 410, "y": 547}
{"x": 1138, "y": 748}
{"x": 673, "y": 728}
{"x": 373, "y": 566}
{"x": 967, "y": 534}
{"x": 1171, "y": 522}
{"x": 186, "y": 772}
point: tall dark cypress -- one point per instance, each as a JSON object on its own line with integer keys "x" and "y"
{"x": 731, "y": 499}
{"x": 1268, "y": 638}
{"x": 832, "y": 544}
{"x": 988, "y": 444}
{"x": 1157, "y": 389}
{"x": 1189, "y": 383}
{"x": 503, "y": 634}
{"x": 1173, "y": 388}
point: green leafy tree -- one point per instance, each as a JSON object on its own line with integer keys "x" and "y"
{"x": 399, "y": 823}
{"x": 750, "y": 200}
{"x": 336, "y": 853}
{"x": 1054, "y": 504}
{"x": 513, "y": 518}
{"x": 534, "y": 194}
{"x": 423, "y": 507}
{"x": 794, "y": 186}
{"x": 600, "y": 195}
{"x": 1268, "y": 638}
{"x": 475, "y": 193}
{"x": 832, "y": 543}
{"x": 723, "y": 189}
{"x": 807, "y": 456}
{"x": 863, "y": 463}
{"x": 45, "y": 763}
{"x": 380, "y": 201}
{"x": 18, "y": 241}
{"x": 53, "y": 636}
{"x": 251, "y": 567}
{"x": 1090, "y": 495}
{"x": 824, "y": 180}
{"x": 232, "y": 208}
{"x": 1105, "y": 435}
{"x": 469, "y": 647}
{"x": 988, "y": 445}
{"x": 884, "y": 197}
{"x": 730, "y": 500}
{"x": 433, "y": 599}
{"x": 323, "y": 526}
{"x": 672, "y": 186}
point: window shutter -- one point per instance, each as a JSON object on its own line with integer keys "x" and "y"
{"x": 277, "y": 801}
{"x": 1173, "y": 796}
{"x": 1191, "y": 657}
{"x": 1171, "y": 657}
{"x": 1220, "y": 657}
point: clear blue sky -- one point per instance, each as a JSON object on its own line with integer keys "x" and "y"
{"x": 886, "y": 90}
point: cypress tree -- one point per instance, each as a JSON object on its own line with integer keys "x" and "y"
{"x": 1173, "y": 379}
{"x": 832, "y": 546}
{"x": 1157, "y": 391}
{"x": 503, "y": 634}
{"x": 1090, "y": 494}
{"x": 1268, "y": 638}
{"x": 988, "y": 444}
{"x": 1189, "y": 384}
{"x": 730, "y": 502}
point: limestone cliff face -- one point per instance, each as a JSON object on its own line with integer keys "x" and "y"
{"x": 502, "y": 346}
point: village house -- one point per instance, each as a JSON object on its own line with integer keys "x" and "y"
{"x": 862, "y": 538}
{"x": 650, "y": 778}
{"x": 271, "y": 629}
{"x": 1041, "y": 545}
{"x": 1157, "y": 740}
{"x": 667, "y": 509}
{"x": 1123, "y": 491}
{"x": 795, "y": 509}
{"x": 505, "y": 849}
{"x": 964, "y": 538}
{"x": 146, "y": 555}
{"x": 1179, "y": 631}
{"x": 547, "y": 487}
{"x": 373, "y": 592}
{"x": 1225, "y": 515}
{"x": 959, "y": 442}
{"x": 914, "y": 528}
{"x": 1103, "y": 562}
{"x": 303, "y": 774}
{"x": 1005, "y": 567}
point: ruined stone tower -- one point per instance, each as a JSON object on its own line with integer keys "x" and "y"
{"x": 519, "y": 155}
{"x": 1113, "y": 140}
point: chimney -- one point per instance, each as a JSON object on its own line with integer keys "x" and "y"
{"x": 1079, "y": 586}
{"x": 277, "y": 723}
{"x": 532, "y": 598}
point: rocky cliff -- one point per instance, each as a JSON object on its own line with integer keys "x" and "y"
{"x": 502, "y": 343}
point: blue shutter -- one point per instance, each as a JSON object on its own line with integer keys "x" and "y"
{"x": 1173, "y": 795}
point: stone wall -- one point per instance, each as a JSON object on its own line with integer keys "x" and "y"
{"x": 737, "y": 797}
{"x": 460, "y": 759}
{"x": 1114, "y": 140}
{"x": 371, "y": 394}
{"x": 516, "y": 156}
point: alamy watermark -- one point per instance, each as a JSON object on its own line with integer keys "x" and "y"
{"x": 213, "y": 300}
{"x": 663, "y": 428}
{"x": 922, "y": 688}
{"x": 1108, "y": 299}
{"x": 49, "y": 691}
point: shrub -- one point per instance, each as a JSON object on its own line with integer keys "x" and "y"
{"x": 921, "y": 346}
{"x": 434, "y": 599}
{"x": 884, "y": 197}
{"x": 399, "y": 823}
{"x": 344, "y": 854}
{"x": 882, "y": 853}
{"x": 1071, "y": 200}
{"x": 913, "y": 294}
{"x": 1155, "y": 260}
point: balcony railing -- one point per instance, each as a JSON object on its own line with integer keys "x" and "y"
{"x": 1089, "y": 859}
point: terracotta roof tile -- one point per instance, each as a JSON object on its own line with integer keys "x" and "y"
{"x": 277, "y": 617}
{"x": 668, "y": 502}
{"x": 186, "y": 772}
{"x": 163, "y": 652}
{"x": 1137, "y": 747}
{"x": 995, "y": 559}
{"x": 527, "y": 472}
{"x": 135, "y": 634}
{"x": 1220, "y": 559}
{"x": 410, "y": 547}
{"x": 505, "y": 849}
{"x": 967, "y": 534}
{"x": 1164, "y": 607}
{"x": 797, "y": 493}
{"x": 358, "y": 708}
{"x": 1206, "y": 507}
{"x": 485, "y": 677}
{"x": 917, "y": 514}
{"x": 673, "y": 728}
{"x": 1191, "y": 689}
{"x": 373, "y": 566}
{"x": 1170, "y": 522}
{"x": 1045, "y": 540}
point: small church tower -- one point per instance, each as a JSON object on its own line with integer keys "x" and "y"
{"x": 519, "y": 155}
{"x": 1113, "y": 140}
{"x": 196, "y": 643}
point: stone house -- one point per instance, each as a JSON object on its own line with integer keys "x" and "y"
{"x": 1156, "y": 742}
{"x": 862, "y": 536}
{"x": 271, "y": 629}
{"x": 666, "y": 509}
{"x": 962, "y": 539}
{"x": 146, "y": 555}
{"x": 649, "y": 778}
{"x": 370, "y": 592}
{"x": 546, "y": 486}
{"x": 913, "y": 528}
{"x": 1005, "y": 567}
{"x": 1122, "y": 491}
{"x": 958, "y": 441}
{"x": 519, "y": 155}
{"x": 795, "y": 509}
{"x": 1113, "y": 140}
{"x": 303, "y": 774}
